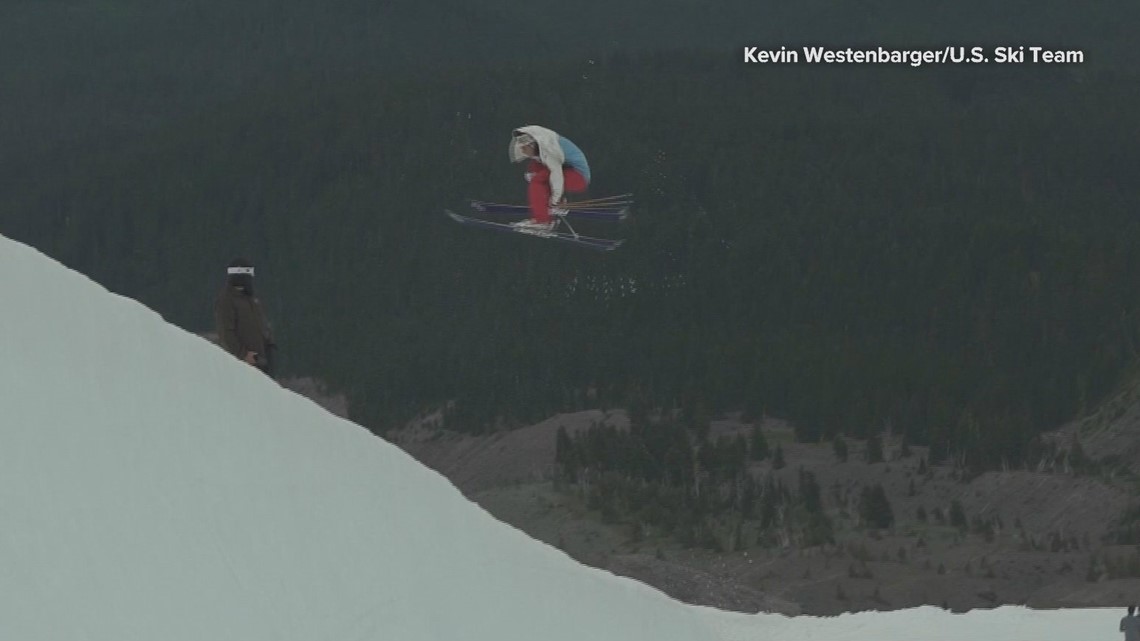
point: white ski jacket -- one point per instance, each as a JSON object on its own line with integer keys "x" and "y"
{"x": 551, "y": 153}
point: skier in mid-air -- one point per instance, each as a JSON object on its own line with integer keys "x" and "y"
{"x": 557, "y": 166}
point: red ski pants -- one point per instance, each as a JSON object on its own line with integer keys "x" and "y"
{"x": 538, "y": 194}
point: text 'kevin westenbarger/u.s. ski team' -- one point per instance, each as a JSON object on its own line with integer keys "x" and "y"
{"x": 1018, "y": 54}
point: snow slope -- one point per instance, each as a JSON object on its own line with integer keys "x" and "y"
{"x": 154, "y": 487}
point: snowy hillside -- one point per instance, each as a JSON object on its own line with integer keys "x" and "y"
{"x": 153, "y": 487}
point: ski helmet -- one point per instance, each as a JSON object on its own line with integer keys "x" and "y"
{"x": 239, "y": 273}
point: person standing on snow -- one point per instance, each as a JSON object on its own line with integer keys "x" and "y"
{"x": 241, "y": 322}
{"x": 556, "y": 166}
{"x": 1130, "y": 625}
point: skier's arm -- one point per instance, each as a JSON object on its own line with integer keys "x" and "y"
{"x": 557, "y": 180}
{"x": 225, "y": 318}
{"x": 270, "y": 344}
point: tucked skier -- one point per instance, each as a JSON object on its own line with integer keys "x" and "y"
{"x": 556, "y": 167}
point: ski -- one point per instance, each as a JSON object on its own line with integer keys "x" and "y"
{"x": 601, "y": 244}
{"x": 598, "y": 212}
{"x": 626, "y": 197}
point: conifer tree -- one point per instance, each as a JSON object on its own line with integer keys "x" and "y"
{"x": 874, "y": 453}
{"x": 839, "y": 446}
{"x": 758, "y": 447}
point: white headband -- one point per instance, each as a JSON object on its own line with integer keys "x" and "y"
{"x": 239, "y": 270}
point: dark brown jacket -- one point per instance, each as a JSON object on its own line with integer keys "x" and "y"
{"x": 242, "y": 326}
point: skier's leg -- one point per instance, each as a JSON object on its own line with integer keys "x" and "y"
{"x": 538, "y": 194}
{"x": 574, "y": 182}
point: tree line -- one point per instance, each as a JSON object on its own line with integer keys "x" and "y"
{"x": 663, "y": 478}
